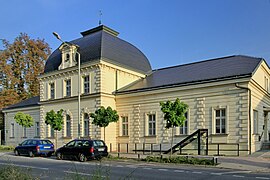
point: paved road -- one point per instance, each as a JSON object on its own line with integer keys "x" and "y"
{"x": 50, "y": 168}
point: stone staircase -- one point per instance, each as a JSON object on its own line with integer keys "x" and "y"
{"x": 266, "y": 145}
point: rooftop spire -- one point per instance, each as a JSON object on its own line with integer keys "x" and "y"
{"x": 100, "y": 15}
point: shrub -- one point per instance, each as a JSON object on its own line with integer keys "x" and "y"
{"x": 6, "y": 148}
{"x": 180, "y": 160}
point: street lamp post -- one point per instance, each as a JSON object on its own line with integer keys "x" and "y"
{"x": 79, "y": 79}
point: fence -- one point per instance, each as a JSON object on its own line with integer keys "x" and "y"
{"x": 217, "y": 149}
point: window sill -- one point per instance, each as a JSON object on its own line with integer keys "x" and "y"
{"x": 123, "y": 136}
{"x": 11, "y": 137}
{"x": 181, "y": 135}
{"x": 67, "y": 137}
{"x": 151, "y": 136}
{"x": 50, "y": 137}
{"x": 24, "y": 137}
{"x": 255, "y": 134}
{"x": 219, "y": 134}
{"x": 36, "y": 136}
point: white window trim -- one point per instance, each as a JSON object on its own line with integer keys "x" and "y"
{"x": 89, "y": 82}
{"x": 146, "y": 123}
{"x": 37, "y": 129}
{"x": 214, "y": 119}
{"x": 12, "y": 130}
{"x": 121, "y": 125}
{"x": 89, "y": 124}
{"x": 177, "y": 129}
{"x": 257, "y": 122}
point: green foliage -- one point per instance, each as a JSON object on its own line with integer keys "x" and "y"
{"x": 180, "y": 160}
{"x": 15, "y": 173}
{"x": 174, "y": 112}
{"x": 6, "y": 148}
{"x": 25, "y": 120}
{"x": 103, "y": 117}
{"x": 55, "y": 120}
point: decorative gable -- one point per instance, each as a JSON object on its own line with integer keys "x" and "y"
{"x": 69, "y": 55}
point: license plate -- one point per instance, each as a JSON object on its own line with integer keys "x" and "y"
{"x": 47, "y": 147}
{"x": 100, "y": 149}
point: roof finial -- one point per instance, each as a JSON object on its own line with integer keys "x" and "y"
{"x": 100, "y": 14}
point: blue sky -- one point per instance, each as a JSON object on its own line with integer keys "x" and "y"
{"x": 168, "y": 32}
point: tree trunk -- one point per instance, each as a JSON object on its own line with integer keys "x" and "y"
{"x": 104, "y": 134}
{"x": 172, "y": 141}
{"x": 56, "y": 140}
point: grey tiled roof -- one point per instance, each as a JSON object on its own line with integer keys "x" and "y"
{"x": 34, "y": 101}
{"x": 209, "y": 70}
{"x": 102, "y": 42}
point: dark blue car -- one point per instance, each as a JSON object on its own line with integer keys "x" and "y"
{"x": 35, "y": 147}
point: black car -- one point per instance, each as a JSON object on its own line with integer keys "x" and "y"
{"x": 83, "y": 150}
{"x": 33, "y": 147}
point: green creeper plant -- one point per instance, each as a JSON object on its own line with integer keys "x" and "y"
{"x": 55, "y": 120}
{"x": 24, "y": 120}
{"x": 174, "y": 114}
{"x": 104, "y": 116}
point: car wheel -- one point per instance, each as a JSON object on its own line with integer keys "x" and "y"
{"x": 98, "y": 157}
{"x": 16, "y": 153}
{"x": 30, "y": 154}
{"x": 59, "y": 156}
{"x": 82, "y": 158}
{"x": 49, "y": 154}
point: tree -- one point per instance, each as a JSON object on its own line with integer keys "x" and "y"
{"x": 174, "y": 114}
{"x": 103, "y": 117}
{"x": 24, "y": 120}
{"x": 20, "y": 64}
{"x": 55, "y": 120}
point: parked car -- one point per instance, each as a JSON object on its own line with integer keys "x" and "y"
{"x": 34, "y": 147}
{"x": 83, "y": 150}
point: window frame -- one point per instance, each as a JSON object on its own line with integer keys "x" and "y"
{"x": 37, "y": 129}
{"x": 183, "y": 130}
{"x": 68, "y": 87}
{"x": 12, "y": 130}
{"x": 255, "y": 122}
{"x": 124, "y": 124}
{"x": 86, "y": 129}
{"x": 68, "y": 126}
{"x": 86, "y": 84}
{"x": 152, "y": 122}
{"x": 52, "y": 90}
{"x": 219, "y": 117}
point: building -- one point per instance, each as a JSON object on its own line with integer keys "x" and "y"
{"x": 229, "y": 96}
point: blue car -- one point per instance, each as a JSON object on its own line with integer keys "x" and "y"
{"x": 35, "y": 147}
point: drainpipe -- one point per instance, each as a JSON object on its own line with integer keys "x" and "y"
{"x": 249, "y": 109}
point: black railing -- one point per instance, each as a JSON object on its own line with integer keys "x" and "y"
{"x": 196, "y": 135}
{"x": 217, "y": 149}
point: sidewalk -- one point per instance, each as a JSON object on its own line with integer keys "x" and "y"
{"x": 257, "y": 162}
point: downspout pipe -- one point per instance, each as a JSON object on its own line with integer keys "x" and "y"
{"x": 249, "y": 110}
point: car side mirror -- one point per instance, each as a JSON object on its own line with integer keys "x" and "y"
{"x": 20, "y": 144}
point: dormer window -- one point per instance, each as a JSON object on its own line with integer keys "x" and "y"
{"x": 67, "y": 57}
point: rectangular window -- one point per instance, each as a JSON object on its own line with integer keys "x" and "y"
{"x": 24, "y": 132}
{"x": 86, "y": 85}
{"x": 68, "y": 87}
{"x": 152, "y": 124}
{"x": 266, "y": 84}
{"x": 220, "y": 121}
{"x": 68, "y": 126}
{"x": 184, "y": 128}
{"x": 52, "y": 89}
{"x": 86, "y": 125}
{"x": 12, "y": 130}
{"x": 125, "y": 126}
{"x": 52, "y": 132}
{"x": 37, "y": 131}
{"x": 255, "y": 122}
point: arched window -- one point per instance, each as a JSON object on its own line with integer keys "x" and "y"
{"x": 68, "y": 126}
{"x": 67, "y": 57}
{"x": 86, "y": 125}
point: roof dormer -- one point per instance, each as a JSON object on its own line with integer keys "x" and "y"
{"x": 69, "y": 55}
